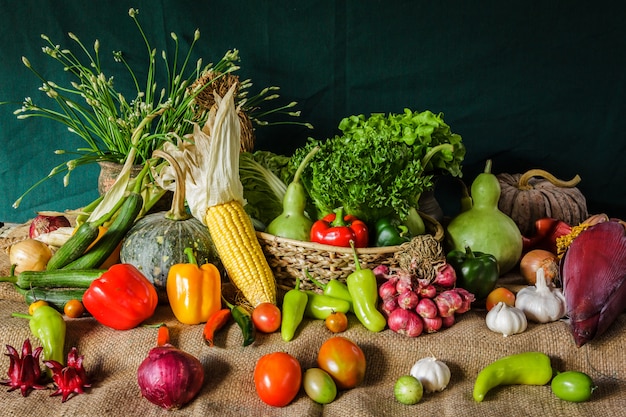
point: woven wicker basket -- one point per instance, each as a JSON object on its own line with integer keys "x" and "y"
{"x": 290, "y": 258}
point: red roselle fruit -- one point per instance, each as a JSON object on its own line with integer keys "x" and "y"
{"x": 170, "y": 377}
{"x": 24, "y": 372}
{"x": 46, "y": 223}
{"x": 71, "y": 379}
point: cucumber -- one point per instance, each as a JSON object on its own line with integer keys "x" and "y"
{"x": 58, "y": 278}
{"x": 55, "y": 297}
{"x": 103, "y": 248}
{"x": 75, "y": 246}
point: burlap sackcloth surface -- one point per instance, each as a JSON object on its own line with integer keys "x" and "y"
{"x": 112, "y": 358}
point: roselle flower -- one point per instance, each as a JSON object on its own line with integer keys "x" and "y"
{"x": 71, "y": 379}
{"x": 24, "y": 372}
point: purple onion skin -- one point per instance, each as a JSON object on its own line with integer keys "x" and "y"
{"x": 169, "y": 377}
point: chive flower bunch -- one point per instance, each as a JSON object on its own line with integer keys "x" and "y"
{"x": 110, "y": 125}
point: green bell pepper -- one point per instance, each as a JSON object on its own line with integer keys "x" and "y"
{"x": 477, "y": 272}
{"x": 48, "y": 325}
{"x": 388, "y": 233}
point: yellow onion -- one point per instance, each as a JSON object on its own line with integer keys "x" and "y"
{"x": 539, "y": 258}
{"x": 29, "y": 255}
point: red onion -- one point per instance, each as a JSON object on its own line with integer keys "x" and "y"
{"x": 381, "y": 271}
{"x": 388, "y": 305}
{"x": 448, "y": 302}
{"x": 467, "y": 297}
{"x": 404, "y": 283}
{"x": 432, "y": 325}
{"x": 428, "y": 291}
{"x": 169, "y": 377}
{"x": 427, "y": 308}
{"x": 405, "y": 322}
{"x": 46, "y": 223}
{"x": 446, "y": 276}
{"x": 408, "y": 300}
{"x": 387, "y": 289}
{"x": 448, "y": 321}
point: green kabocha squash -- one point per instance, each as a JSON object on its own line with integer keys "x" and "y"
{"x": 158, "y": 240}
{"x": 536, "y": 194}
{"x": 483, "y": 227}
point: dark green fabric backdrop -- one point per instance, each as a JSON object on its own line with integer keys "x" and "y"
{"x": 530, "y": 84}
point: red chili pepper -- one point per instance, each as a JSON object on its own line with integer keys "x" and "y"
{"x": 216, "y": 321}
{"x": 121, "y": 298}
{"x": 338, "y": 230}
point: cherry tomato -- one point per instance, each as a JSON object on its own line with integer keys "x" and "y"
{"x": 500, "y": 294}
{"x": 343, "y": 360}
{"x": 573, "y": 386}
{"x": 336, "y": 322}
{"x": 35, "y": 305}
{"x": 319, "y": 386}
{"x": 277, "y": 378}
{"x": 266, "y": 317}
{"x": 74, "y": 309}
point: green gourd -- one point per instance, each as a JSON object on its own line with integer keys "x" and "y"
{"x": 158, "y": 240}
{"x": 484, "y": 227}
{"x": 293, "y": 222}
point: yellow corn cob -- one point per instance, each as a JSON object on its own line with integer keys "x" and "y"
{"x": 240, "y": 252}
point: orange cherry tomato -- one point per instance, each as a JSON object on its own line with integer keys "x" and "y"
{"x": 35, "y": 305}
{"x": 500, "y": 294}
{"x": 74, "y": 309}
{"x": 336, "y": 322}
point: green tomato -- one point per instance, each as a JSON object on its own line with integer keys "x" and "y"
{"x": 319, "y": 386}
{"x": 573, "y": 386}
{"x": 408, "y": 390}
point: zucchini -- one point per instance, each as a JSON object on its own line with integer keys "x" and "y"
{"x": 58, "y": 278}
{"x": 103, "y": 248}
{"x": 75, "y": 246}
{"x": 55, "y": 297}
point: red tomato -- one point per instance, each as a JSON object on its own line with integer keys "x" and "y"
{"x": 277, "y": 378}
{"x": 343, "y": 360}
{"x": 266, "y": 317}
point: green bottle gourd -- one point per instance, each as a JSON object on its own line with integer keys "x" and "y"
{"x": 484, "y": 227}
{"x": 293, "y": 222}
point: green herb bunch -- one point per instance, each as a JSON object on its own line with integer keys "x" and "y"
{"x": 379, "y": 166}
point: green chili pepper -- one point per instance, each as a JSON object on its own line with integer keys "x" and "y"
{"x": 364, "y": 291}
{"x": 294, "y": 304}
{"x": 477, "y": 272}
{"x": 528, "y": 368}
{"x": 320, "y": 306}
{"x": 48, "y": 325}
{"x": 333, "y": 288}
{"x": 388, "y": 233}
{"x": 244, "y": 321}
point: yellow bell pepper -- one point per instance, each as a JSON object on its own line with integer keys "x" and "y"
{"x": 194, "y": 292}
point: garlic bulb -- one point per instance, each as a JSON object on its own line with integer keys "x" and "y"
{"x": 540, "y": 302}
{"x": 505, "y": 319}
{"x": 432, "y": 373}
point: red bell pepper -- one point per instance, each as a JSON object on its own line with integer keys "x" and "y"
{"x": 338, "y": 230}
{"x": 121, "y": 298}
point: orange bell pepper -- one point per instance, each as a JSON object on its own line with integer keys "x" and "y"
{"x": 194, "y": 292}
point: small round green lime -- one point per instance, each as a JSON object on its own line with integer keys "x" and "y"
{"x": 408, "y": 390}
